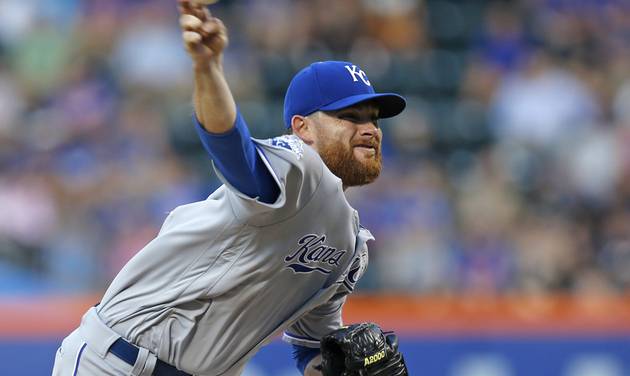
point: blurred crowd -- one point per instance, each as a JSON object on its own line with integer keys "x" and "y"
{"x": 508, "y": 173}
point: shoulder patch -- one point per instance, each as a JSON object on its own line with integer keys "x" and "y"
{"x": 289, "y": 142}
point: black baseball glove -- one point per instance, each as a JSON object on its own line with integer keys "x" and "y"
{"x": 362, "y": 350}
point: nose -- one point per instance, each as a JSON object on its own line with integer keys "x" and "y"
{"x": 368, "y": 128}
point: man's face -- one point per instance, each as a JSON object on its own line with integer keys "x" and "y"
{"x": 349, "y": 143}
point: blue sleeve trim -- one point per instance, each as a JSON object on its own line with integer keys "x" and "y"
{"x": 234, "y": 155}
{"x": 303, "y": 355}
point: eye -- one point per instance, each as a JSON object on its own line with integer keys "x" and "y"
{"x": 349, "y": 117}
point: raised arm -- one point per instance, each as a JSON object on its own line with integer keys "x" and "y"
{"x": 205, "y": 38}
{"x": 224, "y": 134}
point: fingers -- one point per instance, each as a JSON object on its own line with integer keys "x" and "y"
{"x": 192, "y": 7}
{"x": 195, "y": 30}
{"x": 192, "y": 29}
{"x": 203, "y": 34}
{"x": 192, "y": 15}
{"x": 213, "y": 26}
{"x": 187, "y": 7}
{"x": 190, "y": 22}
{"x": 191, "y": 38}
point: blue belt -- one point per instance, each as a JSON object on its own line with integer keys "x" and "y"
{"x": 129, "y": 353}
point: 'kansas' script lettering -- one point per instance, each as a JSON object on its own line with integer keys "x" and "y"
{"x": 312, "y": 249}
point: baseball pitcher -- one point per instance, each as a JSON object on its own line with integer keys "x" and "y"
{"x": 276, "y": 249}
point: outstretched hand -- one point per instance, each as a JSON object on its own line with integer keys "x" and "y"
{"x": 205, "y": 37}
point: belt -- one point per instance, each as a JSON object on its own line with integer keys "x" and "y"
{"x": 129, "y": 353}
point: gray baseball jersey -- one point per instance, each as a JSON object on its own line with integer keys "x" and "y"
{"x": 226, "y": 275}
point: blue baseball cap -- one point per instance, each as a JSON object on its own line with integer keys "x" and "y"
{"x": 333, "y": 85}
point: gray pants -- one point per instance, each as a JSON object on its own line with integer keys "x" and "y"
{"x": 84, "y": 353}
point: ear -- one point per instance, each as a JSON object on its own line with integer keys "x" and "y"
{"x": 303, "y": 128}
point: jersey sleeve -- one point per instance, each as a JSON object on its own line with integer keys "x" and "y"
{"x": 308, "y": 330}
{"x": 297, "y": 170}
{"x": 235, "y": 155}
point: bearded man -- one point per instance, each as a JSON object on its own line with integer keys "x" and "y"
{"x": 276, "y": 249}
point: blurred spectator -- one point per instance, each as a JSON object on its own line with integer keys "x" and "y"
{"x": 509, "y": 171}
{"x": 542, "y": 104}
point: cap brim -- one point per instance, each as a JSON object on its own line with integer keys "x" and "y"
{"x": 389, "y": 104}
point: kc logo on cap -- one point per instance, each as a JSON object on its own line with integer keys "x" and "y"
{"x": 355, "y": 71}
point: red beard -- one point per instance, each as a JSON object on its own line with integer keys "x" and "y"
{"x": 341, "y": 161}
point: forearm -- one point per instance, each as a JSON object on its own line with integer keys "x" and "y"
{"x": 214, "y": 105}
{"x": 205, "y": 38}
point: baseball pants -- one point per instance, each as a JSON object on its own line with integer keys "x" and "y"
{"x": 85, "y": 353}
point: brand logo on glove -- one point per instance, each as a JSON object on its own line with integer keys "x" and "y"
{"x": 314, "y": 256}
{"x": 374, "y": 358}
